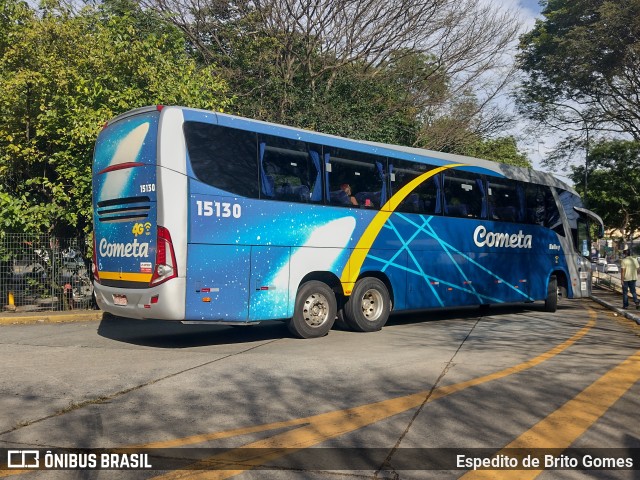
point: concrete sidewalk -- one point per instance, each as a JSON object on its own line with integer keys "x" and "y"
{"x": 33, "y": 317}
{"x": 605, "y": 297}
{"x": 613, "y": 300}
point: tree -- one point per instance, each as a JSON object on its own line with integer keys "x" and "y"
{"x": 614, "y": 184}
{"x": 292, "y": 61}
{"x": 63, "y": 75}
{"x": 501, "y": 150}
{"x": 583, "y": 66}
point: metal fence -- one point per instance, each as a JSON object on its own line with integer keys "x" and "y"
{"x": 41, "y": 272}
{"x": 606, "y": 280}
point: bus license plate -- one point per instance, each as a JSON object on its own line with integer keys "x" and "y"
{"x": 120, "y": 300}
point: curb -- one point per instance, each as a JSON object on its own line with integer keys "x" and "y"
{"x": 97, "y": 315}
{"x": 619, "y": 311}
{"x": 50, "y": 317}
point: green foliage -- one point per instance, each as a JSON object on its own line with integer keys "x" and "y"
{"x": 351, "y": 101}
{"x": 64, "y": 73}
{"x": 584, "y": 55}
{"x": 502, "y": 150}
{"x": 63, "y": 76}
{"x": 614, "y": 184}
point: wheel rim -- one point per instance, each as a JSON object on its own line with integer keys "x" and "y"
{"x": 316, "y": 310}
{"x": 372, "y": 305}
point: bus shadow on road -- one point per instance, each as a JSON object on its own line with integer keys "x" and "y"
{"x": 467, "y": 313}
{"x": 167, "y": 334}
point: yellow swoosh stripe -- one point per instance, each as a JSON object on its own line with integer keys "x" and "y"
{"x": 360, "y": 252}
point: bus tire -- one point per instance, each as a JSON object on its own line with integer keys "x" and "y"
{"x": 551, "y": 302}
{"x": 369, "y": 305}
{"x": 315, "y": 310}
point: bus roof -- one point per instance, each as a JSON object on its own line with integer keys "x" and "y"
{"x": 413, "y": 153}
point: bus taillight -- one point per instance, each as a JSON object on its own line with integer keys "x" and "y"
{"x": 166, "y": 267}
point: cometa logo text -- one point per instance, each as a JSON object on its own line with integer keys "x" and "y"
{"x": 131, "y": 249}
{"x": 482, "y": 238}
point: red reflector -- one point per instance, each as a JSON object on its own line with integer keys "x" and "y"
{"x": 159, "y": 107}
{"x": 264, "y": 288}
{"x": 154, "y": 299}
{"x": 205, "y": 290}
{"x": 120, "y": 166}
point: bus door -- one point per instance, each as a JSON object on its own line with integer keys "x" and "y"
{"x": 582, "y": 240}
{"x": 269, "y": 285}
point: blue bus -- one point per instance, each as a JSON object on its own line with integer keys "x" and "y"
{"x": 207, "y": 217}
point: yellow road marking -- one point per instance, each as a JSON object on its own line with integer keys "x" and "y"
{"x": 560, "y": 429}
{"x": 354, "y": 264}
{"x": 319, "y": 428}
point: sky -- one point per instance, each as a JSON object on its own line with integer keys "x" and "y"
{"x": 533, "y": 145}
{"x": 532, "y": 5}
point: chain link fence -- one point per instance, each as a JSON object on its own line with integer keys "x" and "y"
{"x": 41, "y": 272}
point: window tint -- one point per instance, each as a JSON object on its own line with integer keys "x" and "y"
{"x": 425, "y": 198}
{"x": 569, "y": 200}
{"x": 356, "y": 179}
{"x": 290, "y": 170}
{"x": 464, "y": 195}
{"x": 506, "y": 200}
{"x": 223, "y": 157}
{"x": 542, "y": 208}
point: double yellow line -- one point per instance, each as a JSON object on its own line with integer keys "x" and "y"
{"x": 558, "y": 430}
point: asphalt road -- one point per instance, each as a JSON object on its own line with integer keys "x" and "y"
{"x": 400, "y": 403}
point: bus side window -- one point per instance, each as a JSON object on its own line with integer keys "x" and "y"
{"x": 542, "y": 208}
{"x": 552, "y": 218}
{"x": 356, "y": 179}
{"x": 425, "y": 197}
{"x": 223, "y": 157}
{"x": 535, "y": 204}
{"x": 506, "y": 202}
{"x": 288, "y": 170}
{"x": 464, "y": 195}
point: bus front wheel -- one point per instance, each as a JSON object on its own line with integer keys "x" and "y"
{"x": 369, "y": 305}
{"x": 315, "y": 310}
{"x": 551, "y": 302}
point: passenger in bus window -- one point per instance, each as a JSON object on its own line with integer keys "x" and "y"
{"x": 346, "y": 188}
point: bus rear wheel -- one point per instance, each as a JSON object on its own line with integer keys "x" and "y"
{"x": 369, "y": 305}
{"x": 551, "y": 302}
{"x": 315, "y": 310}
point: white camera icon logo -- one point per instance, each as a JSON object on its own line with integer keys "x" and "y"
{"x": 23, "y": 459}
